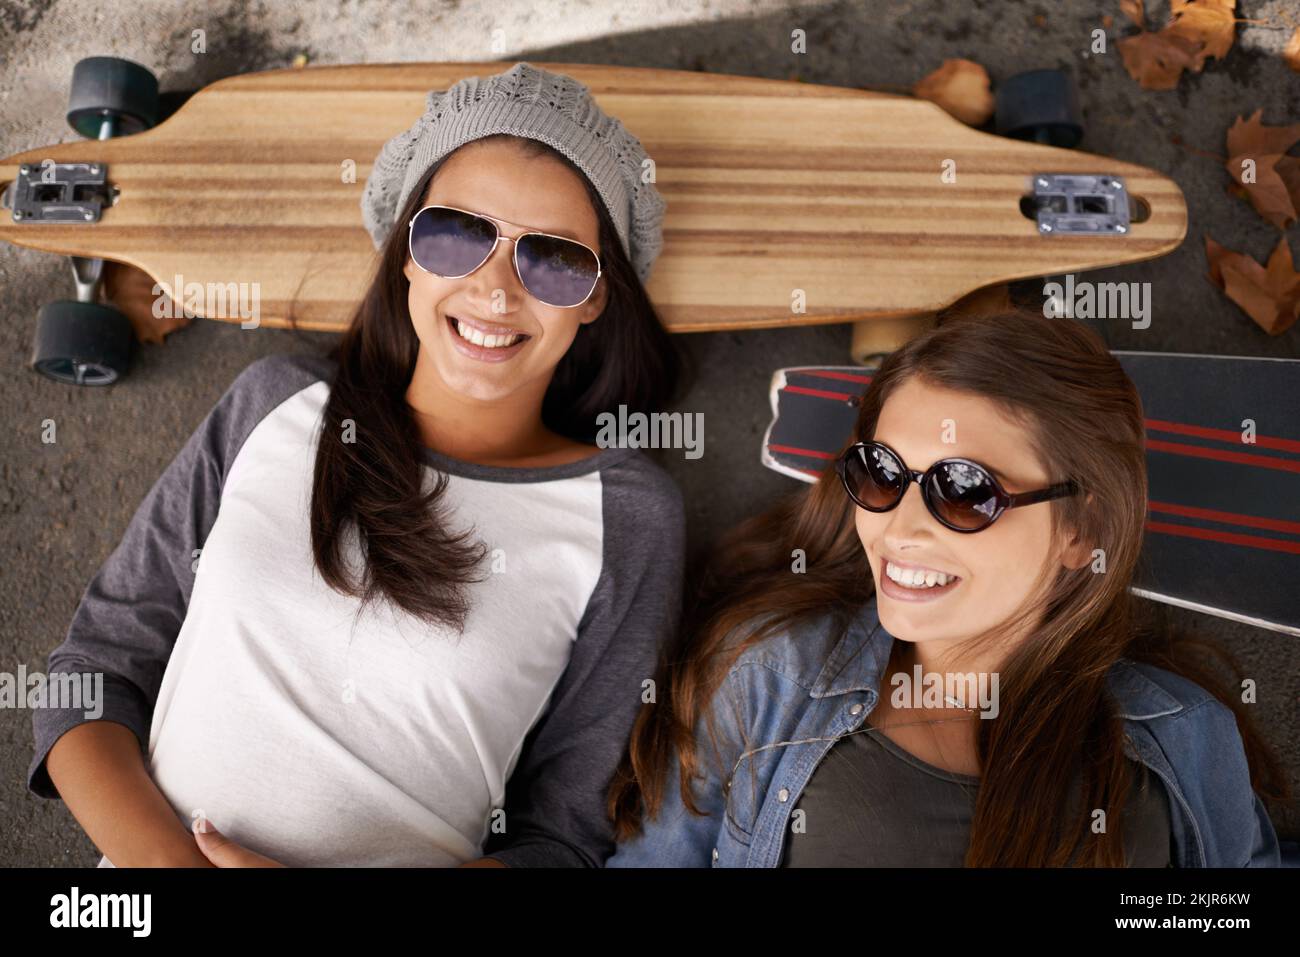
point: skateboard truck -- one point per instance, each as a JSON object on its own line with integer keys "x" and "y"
{"x": 81, "y": 341}
{"x": 1079, "y": 203}
{"x": 59, "y": 193}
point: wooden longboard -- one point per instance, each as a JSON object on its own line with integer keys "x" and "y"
{"x": 1223, "y": 524}
{"x": 772, "y": 186}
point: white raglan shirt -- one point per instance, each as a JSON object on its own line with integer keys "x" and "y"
{"x": 319, "y": 732}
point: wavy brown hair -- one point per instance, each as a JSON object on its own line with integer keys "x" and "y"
{"x": 1058, "y": 738}
{"x": 372, "y": 491}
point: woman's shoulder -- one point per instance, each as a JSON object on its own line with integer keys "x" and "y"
{"x": 640, "y": 485}
{"x": 254, "y": 395}
{"x": 1146, "y": 692}
{"x": 284, "y": 370}
{"x": 1192, "y": 726}
{"x": 1176, "y": 724}
{"x": 266, "y": 382}
{"x": 806, "y": 650}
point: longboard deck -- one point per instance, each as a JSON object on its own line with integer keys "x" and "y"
{"x": 1223, "y": 527}
{"x": 772, "y": 186}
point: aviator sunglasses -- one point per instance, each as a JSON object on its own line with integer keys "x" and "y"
{"x": 451, "y": 243}
{"x": 961, "y": 494}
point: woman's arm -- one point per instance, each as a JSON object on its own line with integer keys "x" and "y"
{"x": 125, "y": 627}
{"x": 98, "y": 769}
{"x": 676, "y": 836}
{"x": 555, "y": 798}
{"x": 1209, "y": 761}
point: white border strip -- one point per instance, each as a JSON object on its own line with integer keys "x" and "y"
{"x": 1203, "y": 355}
{"x": 774, "y": 398}
{"x": 1216, "y": 612}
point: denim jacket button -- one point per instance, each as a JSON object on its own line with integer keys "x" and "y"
{"x": 783, "y": 795}
{"x": 856, "y": 710}
{"x": 715, "y": 855}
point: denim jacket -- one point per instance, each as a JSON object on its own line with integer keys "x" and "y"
{"x": 789, "y": 697}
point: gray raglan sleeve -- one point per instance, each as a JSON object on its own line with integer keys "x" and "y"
{"x": 131, "y": 612}
{"x": 555, "y": 812}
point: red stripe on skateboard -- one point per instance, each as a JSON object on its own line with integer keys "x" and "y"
{"x": 1155, "y": 445}
{"x": 820, "y": 393}
{"x": 1230, "y": 518}
{"x": 1222, "y": 455}
{"x": 828, "y": 374}
{"x": 1230, "y": 538}
{"x": 1222, "y": 435}
{"x": 806, "y": 453}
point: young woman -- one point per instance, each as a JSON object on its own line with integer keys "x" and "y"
{"x": 373, "y": 589}
{"x": 985, "y": 524}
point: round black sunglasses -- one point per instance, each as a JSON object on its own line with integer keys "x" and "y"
{"x": 960, "y": 494}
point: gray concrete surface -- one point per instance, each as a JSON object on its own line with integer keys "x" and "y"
{"x": 64, "y": 507}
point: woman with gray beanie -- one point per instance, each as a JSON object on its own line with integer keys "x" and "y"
{"x": 393, "y": 606}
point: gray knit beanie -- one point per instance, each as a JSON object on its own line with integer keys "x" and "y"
{"x": 534, "y": 103}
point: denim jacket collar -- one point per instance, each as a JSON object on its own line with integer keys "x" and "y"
{"x": 860, "y": 657}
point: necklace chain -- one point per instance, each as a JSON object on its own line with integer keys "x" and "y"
{"x": 906, "y": 724}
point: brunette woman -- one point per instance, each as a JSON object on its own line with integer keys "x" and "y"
{"x": 984, "y": 523}
{"x": 393, "y": 607}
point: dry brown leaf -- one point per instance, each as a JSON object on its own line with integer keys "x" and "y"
{"x": 1270, "y": 294}
{"x": 1177, "y": 6}
{"x": 962, "y": 88}
{"x": 1250, "y": 137}
{"x": 1268, "y": 193}
{"x": 1211, "y": 26}
{"x": 1275, "y": 192}
{"x": 1156, "y": 60}
{"x": 131, "y": 290}
{"x": 1288, "y": 169}
{"x": 1291, "y": 54}
{"x": 1199, "y": 29}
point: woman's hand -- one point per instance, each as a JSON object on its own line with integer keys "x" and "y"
{"x": 223, "y": 852}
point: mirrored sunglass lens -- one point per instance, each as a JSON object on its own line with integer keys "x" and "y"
{"x": 876, "y": 476}
{"x": 451, "y": 243}
{"x": 556, "y": 271}
{"x": 964, "y": 495}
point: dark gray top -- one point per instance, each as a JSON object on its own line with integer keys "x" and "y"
{"x": 870, "y": 803}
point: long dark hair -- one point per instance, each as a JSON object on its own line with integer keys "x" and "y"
{"x": 1056, "y": 729}
{"x": 369, "y": 475}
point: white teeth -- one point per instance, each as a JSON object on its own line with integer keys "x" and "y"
{"x": 916, "y": 577}
{"x": 480, "y": 339}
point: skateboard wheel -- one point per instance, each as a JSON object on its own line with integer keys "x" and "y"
{"x": 82, "y": 343}
{"x": 873, "y": 339}
{"x": 1040, "y": 105}
{"x": 106, "y": 87}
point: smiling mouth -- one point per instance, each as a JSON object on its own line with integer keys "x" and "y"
{"x": 502, "y": 339}
{"x": 917, "y": 577}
